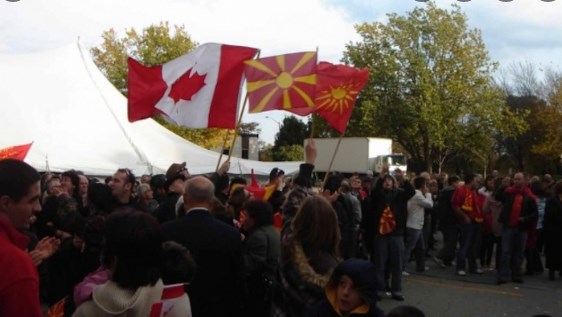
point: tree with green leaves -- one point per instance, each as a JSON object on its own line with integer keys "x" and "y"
{"x": 539, "y": 149}
{"x": 155, "y": 45}
{"x": 289, "y": 140}
{"x": 430, "y": 86}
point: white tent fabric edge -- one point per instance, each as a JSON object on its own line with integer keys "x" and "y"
{"x": 59, "y": 100}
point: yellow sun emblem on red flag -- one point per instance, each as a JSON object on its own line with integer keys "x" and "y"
{"x": 281, "y": 82}
{"x": 336, "y": 92}
{"x": 337, "y": 98}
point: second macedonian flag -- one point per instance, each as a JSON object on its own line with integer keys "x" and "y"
{"x": 336, "y": 92}
{"x": 282, "y": 82}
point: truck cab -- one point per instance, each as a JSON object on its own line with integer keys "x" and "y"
{"x": 396, "y": 160}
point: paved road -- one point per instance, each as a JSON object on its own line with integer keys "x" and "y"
{"x": 439, "y": 292}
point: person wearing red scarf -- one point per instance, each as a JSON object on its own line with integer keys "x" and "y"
{"x": 19, "y": 199}
{"x": 519, "y": 212}
{"x": 465, "y": 205}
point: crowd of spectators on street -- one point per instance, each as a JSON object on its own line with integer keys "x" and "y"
{"x": 214, "y": 245}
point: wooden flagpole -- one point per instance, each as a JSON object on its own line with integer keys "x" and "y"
{"x": 312, "y": 113}
{"x": 239, "y": 119}
{"x": 332, "y": 161}
{"x": 237, "y": 128}
{"x": 222, "y": 149}
{"x": 312, "y": 125}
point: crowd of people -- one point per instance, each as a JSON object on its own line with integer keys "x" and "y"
{"x": 498, "y": 224}
{"x": 212, "y": 245}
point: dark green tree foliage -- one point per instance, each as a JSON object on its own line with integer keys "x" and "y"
{"x": 289, "y": 140}
{"x": 538, "y": 149}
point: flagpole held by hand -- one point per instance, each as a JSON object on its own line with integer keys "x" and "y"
{"x": 222, "y": 149}
{"x": 237, "y": 128}
{"x": 332, "y": 161}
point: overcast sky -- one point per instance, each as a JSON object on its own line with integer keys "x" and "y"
{"x": 520, "y": 30}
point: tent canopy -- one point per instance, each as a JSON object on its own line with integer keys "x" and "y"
{"x": 76, "y": 119}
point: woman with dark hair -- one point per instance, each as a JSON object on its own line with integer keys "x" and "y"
{"x": 238, "y": 197}
{"x": 70, "y": 180}
{"x": 308, "y": 256}
{"x": 68, "y": 217}
{"x": 261, "y": 255}
{"x": 552, "y": 227}
{"x": 68, "y": 224}
{"x": 133, "y": 246}
{"x": 100, "y": 201}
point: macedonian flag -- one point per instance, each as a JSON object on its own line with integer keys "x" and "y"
{"x": 336, "y": 92}
{"x": 387, "y": 223}
{"x": 18, "y": 152}
{"x": 283, "y": 82}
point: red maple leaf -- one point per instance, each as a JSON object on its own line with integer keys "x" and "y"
{"x": 186, "y": 86}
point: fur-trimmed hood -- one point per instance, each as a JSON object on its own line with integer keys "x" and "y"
{"x": 318, "y": 276}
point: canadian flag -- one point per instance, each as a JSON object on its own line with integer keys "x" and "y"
{"x": 200, "y": 89}
{"x": 171, "y": 295}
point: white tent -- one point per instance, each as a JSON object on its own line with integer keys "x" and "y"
{"x": 77, "y": 119}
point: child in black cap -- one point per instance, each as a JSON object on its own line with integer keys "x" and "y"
{"x": 351, "y": 291}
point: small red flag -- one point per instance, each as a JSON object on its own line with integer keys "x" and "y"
{"x": 255, "y": 188}
{"x": 18, "y": 152}
{"x": 283, "y": 82}
{"x": 336, "y": 92}
{"x": 171, "y": 296}
{"x": 57, "y": 310}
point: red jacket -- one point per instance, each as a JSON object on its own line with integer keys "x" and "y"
{"x": 19, "y": 285}
{"x": 466, "y": 199}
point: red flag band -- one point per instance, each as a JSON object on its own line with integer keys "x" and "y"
{"x": 18, "y": 152}
{"x": 336, "y": 92}
{"x": 200, "y": 89}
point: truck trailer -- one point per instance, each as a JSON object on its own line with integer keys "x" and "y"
{"x": 357, "y": 155}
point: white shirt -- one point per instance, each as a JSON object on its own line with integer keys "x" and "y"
{"x": 416, "y": 209}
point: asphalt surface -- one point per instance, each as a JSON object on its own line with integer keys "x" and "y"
{"x": 440, "y": 292}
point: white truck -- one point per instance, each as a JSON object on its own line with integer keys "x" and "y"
{"x": 357, "y": 155}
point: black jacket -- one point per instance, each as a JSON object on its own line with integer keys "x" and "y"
{"x": 397, "y": 199}
{"x": 529, "y": 210}
{"x": 218, "y": 288}
{"x": 167, "y": 209}
{"x": 446, "y": 213}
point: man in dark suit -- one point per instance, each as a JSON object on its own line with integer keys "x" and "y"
{"x": 218, "y": 288}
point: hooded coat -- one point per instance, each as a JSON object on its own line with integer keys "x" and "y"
{"x": 396, "y": 199}
{"x": 363, "y": 275}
